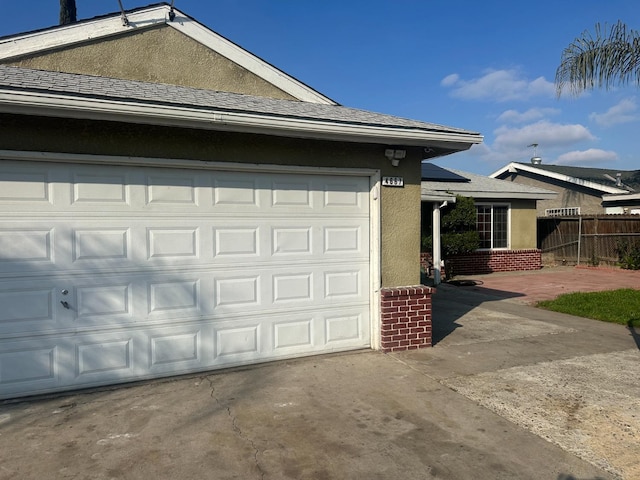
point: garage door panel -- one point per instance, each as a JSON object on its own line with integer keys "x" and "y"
{"x": 238, "y": 343}
{"x": 21, "y": 247}
{"x": 237, "y": 192}
{"x": 23, "y": 185}
{"x": 111, "y": 243}
{"x": 94, "y": 303}
{"x": 176, "y": 242}
{"x": 181, "y": 295}
{"x": 103, "y": 357}
{"x": 94, "y": 188}
{"x": 33, "y": 306}
{"x": 172, "y": 189}
{"x": 113, "y": 273}
{"x": 294, "y": 335}
{"x": 344, "y": 328}
{"x": 176, "y": 348}
{"x": 29, "y": 365}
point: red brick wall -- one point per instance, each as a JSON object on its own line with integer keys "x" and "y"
{"x": 496, "y": 261}
{"x": 406, "y": 318}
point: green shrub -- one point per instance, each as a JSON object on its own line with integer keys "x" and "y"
{"x": 459, "y": 243}
{"x": 629, "y": 254}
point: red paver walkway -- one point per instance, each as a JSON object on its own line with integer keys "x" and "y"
{"x": 547, "y": 283}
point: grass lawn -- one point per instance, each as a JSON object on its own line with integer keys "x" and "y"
{"x": 616, "y": 306}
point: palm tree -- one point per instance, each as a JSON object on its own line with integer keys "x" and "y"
{"x": 67, "y": 12}
{"x": 610, "y": 57}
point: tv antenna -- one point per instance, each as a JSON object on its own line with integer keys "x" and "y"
{"x": 536, "y": 160}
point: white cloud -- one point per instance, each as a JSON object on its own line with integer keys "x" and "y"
{"x": 498, "y": 85}
{"x": 450, "y": 80}
{"x": 623, "y": 112}
{"x": 514, "y": 116}
{"x": 543, "y": 133}
{"x": 511, "y": 144}
{"x": 586, "y": 157}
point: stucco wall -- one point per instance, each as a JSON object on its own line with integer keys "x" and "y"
{"x": 589, "y": 201}
{"x": 161, "y": 55}
{"x": 523, "y": 224}
{"x": 400, "y": 207}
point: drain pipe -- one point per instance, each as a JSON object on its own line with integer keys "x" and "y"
{"x": 436, "y": 253}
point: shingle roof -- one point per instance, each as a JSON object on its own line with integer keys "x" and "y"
{"x": 481, "y": 187}
{"x": 94, "y": 87}
{"x": 595, "y": 175}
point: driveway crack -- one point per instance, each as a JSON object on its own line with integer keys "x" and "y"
{"x": 235, "y": 427}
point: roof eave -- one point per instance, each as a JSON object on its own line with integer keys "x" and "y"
{"x": 437, "y": 197}
{"x": 68, "y": 106}
{"x": 514, "y": 167}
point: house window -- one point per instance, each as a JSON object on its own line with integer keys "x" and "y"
{"x": 492, "y": 223}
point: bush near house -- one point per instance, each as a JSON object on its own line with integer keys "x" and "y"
{"x": 629, "y": 254}
{"x": 459, "y": 235}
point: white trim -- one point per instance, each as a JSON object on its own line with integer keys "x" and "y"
{"x": 513, "y": 167}
{"x": 375, "y": 261}
{"x": 67, "y": 106}
{"x": 621, "y": 198}
{"x": 84, "y": 158}
{"x": 92, "y": 30}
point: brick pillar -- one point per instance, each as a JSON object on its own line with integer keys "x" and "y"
{"x": 406, "y": 318}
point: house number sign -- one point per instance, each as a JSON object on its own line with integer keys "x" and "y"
{"x": 393, "y": 181}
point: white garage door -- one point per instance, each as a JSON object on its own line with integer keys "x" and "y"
{"x": 115, "y": 273}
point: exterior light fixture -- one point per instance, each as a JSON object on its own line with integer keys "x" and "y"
{"x": 395, "y": 155}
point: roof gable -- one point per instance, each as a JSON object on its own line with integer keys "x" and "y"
{"x": 144, "y": 20}
{"x": 563, "y": 174}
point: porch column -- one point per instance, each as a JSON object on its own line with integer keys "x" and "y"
{"x": 436, "y": 254}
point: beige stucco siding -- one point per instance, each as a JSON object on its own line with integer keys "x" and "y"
{"x": 400, "y": 207}
{"x": 589, "y": 201}
{"x": 161, "y": 55}
{"x": 523, "y": 224}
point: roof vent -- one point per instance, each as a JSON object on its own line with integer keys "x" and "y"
{"x": 535, "y": 160}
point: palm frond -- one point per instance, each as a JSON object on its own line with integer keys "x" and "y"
{"x": 608, "y": 57}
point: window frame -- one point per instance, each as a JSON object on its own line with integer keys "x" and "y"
{"x": 493, "y": 205}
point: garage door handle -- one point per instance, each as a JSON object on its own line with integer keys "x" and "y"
{"x": 65, "y": 304}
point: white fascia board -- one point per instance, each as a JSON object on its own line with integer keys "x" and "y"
{"x": 513, "y": 195}
{"x": 507, "y": 168}
{"x": 437, "y": 197}
{"x": 66, "y": 106}
{"x": 74, "y": 33}
{"x": 477, "y": 194}
{"x": 514, "y": 167}
{"x": 92, "y": 30}
{"x": 621, "y": 198}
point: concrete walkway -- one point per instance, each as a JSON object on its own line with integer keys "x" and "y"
{"x": 507, "y": 392}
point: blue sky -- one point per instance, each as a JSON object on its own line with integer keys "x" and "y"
{"x": 484, "y": 66}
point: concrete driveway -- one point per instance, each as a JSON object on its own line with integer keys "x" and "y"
{"x": 507, "y": 392}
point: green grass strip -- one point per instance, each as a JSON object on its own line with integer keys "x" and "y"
{"x": 617, "y": 306}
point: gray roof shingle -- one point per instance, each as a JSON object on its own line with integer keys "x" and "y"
{"x": 16, "y": 78}
{"x": 481, "y": 187}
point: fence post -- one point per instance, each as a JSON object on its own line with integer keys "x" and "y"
{"x": 579, "y": 236}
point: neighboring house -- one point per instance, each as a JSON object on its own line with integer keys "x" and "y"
{"x": 581, "y": 190}
{"x": 506, "y": 219}
{"x": 170, "y": 203}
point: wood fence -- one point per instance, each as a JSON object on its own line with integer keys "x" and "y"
{"x": 586, "y": 239}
